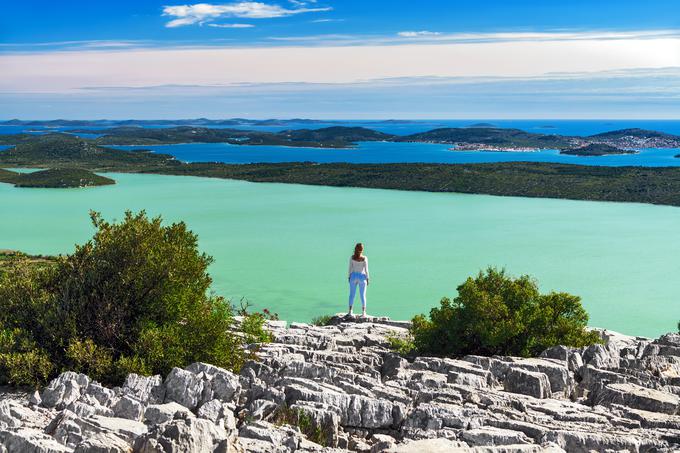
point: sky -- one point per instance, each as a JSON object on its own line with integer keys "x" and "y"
{"x": 340, "y": 59}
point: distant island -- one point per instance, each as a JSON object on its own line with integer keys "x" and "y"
{"x": 596, "y": 149}
{"x": 483, "y": 125}
{"x": 547, "y": 180}
{"x": 329, "y": 137}
{"x": 179, "y": 122}
{"x": 58, "y": 178}
{"x": 478, "y": 137}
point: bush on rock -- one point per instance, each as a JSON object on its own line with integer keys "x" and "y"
{"x": 135, "y": 298}
{"x": 498, "y": 314}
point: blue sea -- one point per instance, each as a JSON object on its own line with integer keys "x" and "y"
{"x": 386, "y": 152}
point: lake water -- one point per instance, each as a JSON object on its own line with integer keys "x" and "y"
{"x": 387, "y": 152}
{"x": 286, "y": 247}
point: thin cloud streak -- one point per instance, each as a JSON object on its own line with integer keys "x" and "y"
{"x": 231, "y": 25}
{"x": 67, "y": 70}
{"x": 201, "y": 13}
{"x": 638, "y": 93}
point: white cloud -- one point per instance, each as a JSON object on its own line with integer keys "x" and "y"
{"x": 328, "y": 62}
{"x": 416, "y": 34}
{"x": 231, "y": 25}
{"x": 321, "y": 21}
{"x": 201, "y": 13}
{"x": 301, "y": 3}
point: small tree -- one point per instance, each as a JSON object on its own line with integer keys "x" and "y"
{"x": 132, "y": 299}
{"x": 497, "y": 314}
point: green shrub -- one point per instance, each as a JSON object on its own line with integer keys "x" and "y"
{"x": 135, "y": 298}
{"x": 401, "y": 344}
{"x": 284, "y": 415}
{"x": 22, "y": 362}
{"x": 89, "y": 358}
{"x": 31, "y": 368}
{"x": 125, "y": 365}
{"x": 497, "y": 314}
{"x": 322, "y": 320}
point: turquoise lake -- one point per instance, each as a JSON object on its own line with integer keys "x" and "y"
{"x": 285, "y": 247}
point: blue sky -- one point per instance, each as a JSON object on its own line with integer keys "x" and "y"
{"x": 341, "y": 59}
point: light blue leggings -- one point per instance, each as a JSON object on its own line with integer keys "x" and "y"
{"x": 357, "y": 279}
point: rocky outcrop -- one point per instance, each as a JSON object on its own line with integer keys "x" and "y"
{"x": 340, "y": 387}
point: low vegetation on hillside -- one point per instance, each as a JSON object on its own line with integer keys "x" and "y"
{"x": 8, "y": 258}
{"x": 596, "y": 149}
{"x": 498, "y": 314}
{"x": 68, "y": 151}
{"x": 60, "y": 178}
{"x": 491, "y": 136}
{"x": 135, "y": 298}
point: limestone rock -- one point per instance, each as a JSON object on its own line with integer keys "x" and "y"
{"x": 530, "y": 383}
{"x": 128, "y": 407}
{"x": 334, "y": 388}
{"x": 146, "y": 389}
{"x": 183, "y": 387}
{"x": 183, "y": 435}
{"x": 64, "y": 389}
{"x": 103, "y": 443}
{"x": 157, "y": 414}
{"x": 638, "y": 397}
{"x": 28, "y": 440}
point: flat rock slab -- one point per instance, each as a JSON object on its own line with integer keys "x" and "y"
{"x": 638, "y": 397}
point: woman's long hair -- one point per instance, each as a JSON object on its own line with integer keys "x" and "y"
{"x": 358, "y": 250}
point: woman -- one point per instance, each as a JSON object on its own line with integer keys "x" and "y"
{"x": 358, "y": 276}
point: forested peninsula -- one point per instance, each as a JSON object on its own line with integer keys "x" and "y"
{"x": 545, "y": 180}
{"x": 475, "y": 138}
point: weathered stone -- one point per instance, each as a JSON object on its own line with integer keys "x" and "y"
{"x": 64, "y": 389}
{"x": 103, "y": 395}
{"x": 218, "y": 383}
{"x": 128, "y": 407}
{"x": 157, "y": 414}
{"x": 430, "y": 446}
{"x": 35, "y": 398}
{"x": 14, "y": 415}
{"x": 182, "y": 435}
{"x": 600, "y": 357}
{"x": 146, "y": 389}
{"x": 639, "y": 398}
{"x": 275, "y": 436}
{"x": 353, "y": 393}
{"x": 530, "y": 383}
{"x": 381, "y": 443}
{"x": 183, "y": 387}
{"x": 28, "y": 440}
{"x": 488, "y": 436}
{"x": 561, "y": 381}
{"x": 103, "y": 443}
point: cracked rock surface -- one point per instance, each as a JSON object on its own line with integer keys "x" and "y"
{"x": 340, "y": 388}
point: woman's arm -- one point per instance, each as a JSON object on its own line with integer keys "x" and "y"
{"x": 349, "y": 271}
{"x": 366, "y": 267}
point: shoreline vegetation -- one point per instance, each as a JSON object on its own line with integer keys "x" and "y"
{"x": 72, "y": 155}
{"x": 59, "y": 178}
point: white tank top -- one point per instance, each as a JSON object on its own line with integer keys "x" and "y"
{"x": 360, "y": 267}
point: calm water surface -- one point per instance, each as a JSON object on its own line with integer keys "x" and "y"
{"x": 286, "y": 246}
{"x": 387, "y": 152}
